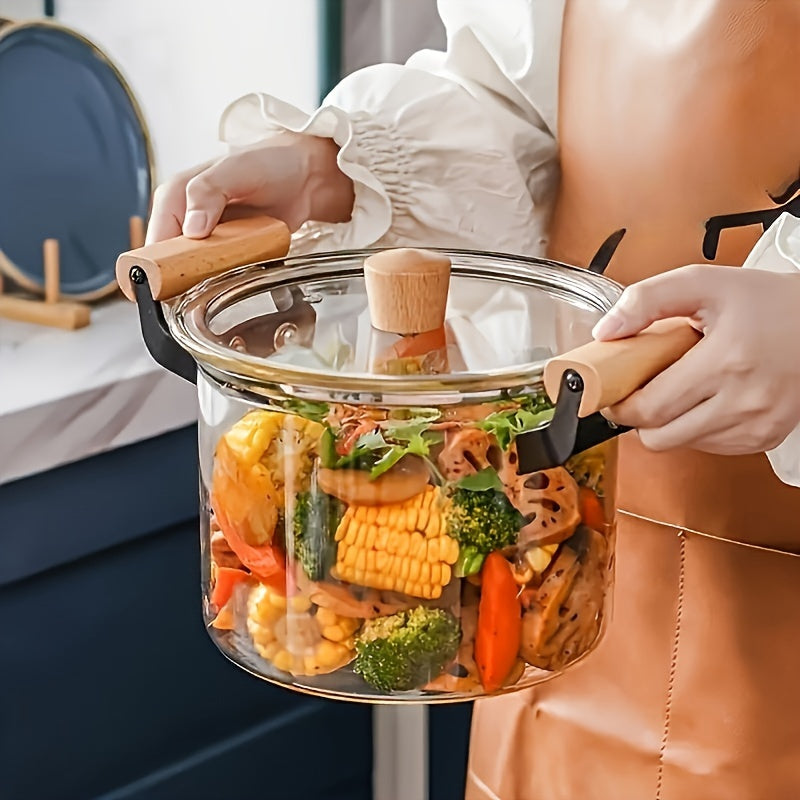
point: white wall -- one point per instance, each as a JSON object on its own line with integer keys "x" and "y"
{"x": 186, "y": 59}
{"x": 21, "y": 9}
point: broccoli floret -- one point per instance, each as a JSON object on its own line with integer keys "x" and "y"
{"x": 483, "y": 520}
{"x": 408, "y": 649}
{"x": 316, "y": 517}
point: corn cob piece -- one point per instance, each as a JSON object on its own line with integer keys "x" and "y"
{"x": 539, "y": 558}
{"x": 264, "y": 453}
{"x": 401, "y": 547}
{"x": 287, "y": 633}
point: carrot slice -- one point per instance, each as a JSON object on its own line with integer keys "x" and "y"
{"x": 225, "y": 582}
{"x": 591, "y": 509}
{"x": 420, "y": 344}
{"x": 267, "y": 562}
{"x": 497, "y": 639}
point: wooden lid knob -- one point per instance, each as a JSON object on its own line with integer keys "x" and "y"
{"x": 407, "y": 290}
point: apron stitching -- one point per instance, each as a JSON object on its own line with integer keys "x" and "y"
{"x": 683, "y": 531}
{"x": 673, "y": 667}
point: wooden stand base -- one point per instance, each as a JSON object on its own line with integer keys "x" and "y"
{"x": 53, "y": 311}
{"x": 69, "y": 316}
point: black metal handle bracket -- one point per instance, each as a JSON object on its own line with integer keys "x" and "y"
{"x": 157, "y": 338}
{"x": 566, "y": 434}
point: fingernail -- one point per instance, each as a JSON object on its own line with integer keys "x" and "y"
{"x": 195, "y": 223}
{"x": 610, "y": 325}
{"x": 608, "y": 414}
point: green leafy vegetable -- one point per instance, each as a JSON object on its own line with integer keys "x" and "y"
{"x": 387, "y": 461}
{"x": 409, "y": 431}
{"x": 370, "y": 441}
{"x": 308, "y": 409}
{"x": 373, "y": 452}
{"x": 417, "y": 443}
{"x": 368, "y": 448}
{"x": 481, "y": 481}
{"x": 531, "y": 413}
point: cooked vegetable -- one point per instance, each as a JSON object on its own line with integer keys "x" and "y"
{"x": 543, "y": 619}
{"x": 243, "y": 497}
{"x": 539, "y": 558}
{"x": 531, "y": 562}
{"x": 588, "y": 468}
{"x": 352, "y": 601}
{"x": 316, "y": 517}
{"x": 267, "y": 562}
{"x": 497, "y": 639}
{"x": 548, "y": 500}
{"x": 326, "y": 448}
{"x": 221, "y": 553}
{"x": 297, "y": 637}
{"x": 407, "y": 478}
{"x": 365, "y": 448}
{"x": 563, "y": 616}
{"x": 417, "y": 554}
{"x": 591, "y": 509}
{"x": 250, "y": 469}
{"x": 485, "y": 520}
{"x": 420, "y": 344}
{"x": 530, "y": 413}
{"x": 225, "y": 619}
{"x": 309, "y": 409}
{"x": 461, "y": 674}
{"x": 400, "y": 547}
{"x": 225, "y": 581}
{"x": 487, "y": 478}
{"x": 422, "y": 353}
{"x": 407, "y": 650}
{"x": 414, "y": 415}
{"x": 465, "y": 452}
{"x": 357, "y": 429}
{"x": 470, "y": 561}
{"x": 290, "y": 457}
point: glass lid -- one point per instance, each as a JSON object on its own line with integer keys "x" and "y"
{"x": 304, "y": 325}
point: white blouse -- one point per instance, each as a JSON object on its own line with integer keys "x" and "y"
{"x": 480, "y": 119}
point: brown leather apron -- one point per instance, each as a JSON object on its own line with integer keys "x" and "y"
{"x": 672, "y": 112}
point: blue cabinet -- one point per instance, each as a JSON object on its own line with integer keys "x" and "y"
{"x": 109, "y": 686}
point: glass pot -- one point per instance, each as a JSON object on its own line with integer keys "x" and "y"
{"x": 378, "y": 524}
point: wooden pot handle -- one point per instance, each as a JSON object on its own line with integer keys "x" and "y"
{"x": 173, "y": 266}
{"x": 612, "y": 371}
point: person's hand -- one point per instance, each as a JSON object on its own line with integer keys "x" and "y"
{"x": 290, "y": 176}
{"x": 736, "y": 391}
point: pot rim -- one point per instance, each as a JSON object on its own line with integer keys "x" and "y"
{"x": 259, "y": 375}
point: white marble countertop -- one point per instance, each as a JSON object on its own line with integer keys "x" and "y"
{"x": 66, "y": 395}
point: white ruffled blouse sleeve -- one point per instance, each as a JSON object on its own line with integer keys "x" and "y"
{"x": 451, "y": 149}
{"x": 778, "y": 250}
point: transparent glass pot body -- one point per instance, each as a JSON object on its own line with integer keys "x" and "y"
{"x": 366, "y": 536}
